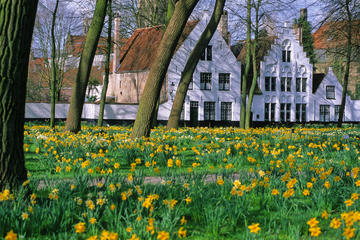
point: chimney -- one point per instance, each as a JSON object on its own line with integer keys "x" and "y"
{"x": 116, "y": 57}
{"x": 86, "y": 25}
{"x": 298, "y": 27}
{"x": 223, "y": 27}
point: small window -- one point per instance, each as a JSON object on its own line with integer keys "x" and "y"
{"x": 226, "y": 111}
{"x": 270, "y": 84}
{"x": 330, "y": 92}
{"x": 286, "y": 55}
{"x": 300, "y": 113}
{"x": 269, "y": 112}
{"x": 207, "y": 54}
{"x": 301, "y": 84}
{"x": 205, "y": 81}
{"x": 324, "y": 113}
{"x": 285, "y": 84}
{"x": 209, "y": 111}
{"x": 224, "y": 81}
{"x": 285, "y": 111}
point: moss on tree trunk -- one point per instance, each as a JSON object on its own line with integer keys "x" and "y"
{"x": 17, "y": 19}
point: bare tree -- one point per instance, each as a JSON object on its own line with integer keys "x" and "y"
{"x": 344, "y": 29}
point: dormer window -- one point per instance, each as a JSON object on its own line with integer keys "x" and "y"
{"x": 330, "y": 92}
{"x": 207, "y": 54}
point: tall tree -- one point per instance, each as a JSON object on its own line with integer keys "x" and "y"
{"x": 17, "y": 19}
{"x": 254, "y": 58}
{"x": 247, "y": 66}
{"x": 191, "y": 64}
{"x": 164, "y": 53}
{"x": 53, "y": 66}
{"x": 73, "y": 121}
{"x": 343, "y": 19}
{"x": 107, "y": 65}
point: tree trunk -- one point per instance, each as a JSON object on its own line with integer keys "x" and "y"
{"x": 53, "y": 68}
{"x": 164, "y": 53}
{"x": 17, "y": 19}
{"x": 347, "y": 66}
{"x": 107, "y": 67}
{"x": 255, "y": 70}
{"x": 191, "y": 64}
{"x": 247, "y": 66}
{"x": 73, "y": 121}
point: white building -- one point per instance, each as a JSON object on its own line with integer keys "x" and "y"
{"x": 213, "y": 94}
{"x": 290, "y": 90}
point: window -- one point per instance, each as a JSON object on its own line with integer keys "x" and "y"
{"x": 207, "y": 54}
{"x": 324, "y": 113}
{"x": 209, "y": 111}
{"x": 285, "y": 84}
{"x": 205, "y": 81}
{"x": 300, "y": 115}
{"x": 269, "y": 114}
{"x": 337, "y": 112}
{"x": 224, "y": 81}
{"x": 226, "y": 111}
{"x": 301, "y": 84}
{"x": 285, "y": 111}
{"x": 330, "y": 92}
{"x": 286, "y": 55}
{"x": 270, "y": 84}
{"x": 191, "y": 84}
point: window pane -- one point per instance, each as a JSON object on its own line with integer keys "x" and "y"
{"x": 282, "y": 112}
{"x": 298, "y": 84}
{"x": 288, "y": 84}
{"x": 224, "y": 81}
{"x": 303, "y": 85}
{"x": 226, "y": 111}
{"x": 205, "y": 81}
{"x": 288, "y": 56}
{"x": 303, "y": 113}
{"x": 266, "y": 113}
{"x": 273, "y": 84}
{"x": 282, "y": 84}
{"x": 273, "y": 111}
{"x": 209, "y": 53}
{"x": 267, "y": 83}
{"x": 284, "y": 56}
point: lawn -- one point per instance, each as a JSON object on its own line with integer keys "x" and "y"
{"x": 193, "y": 183}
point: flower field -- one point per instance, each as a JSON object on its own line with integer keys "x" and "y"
{"x": 192, "y": 183}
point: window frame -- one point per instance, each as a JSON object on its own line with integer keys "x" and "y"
{"x": 209, "y": 111}
{"x": 226, "y": 111}
{"x": 328, "y": 92}
{"x": 224, "y": 81}
{"x": 205, "y": 83}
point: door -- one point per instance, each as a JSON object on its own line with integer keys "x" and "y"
{"x": 194, "y": 113}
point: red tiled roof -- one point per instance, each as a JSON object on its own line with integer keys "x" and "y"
{"x": 74, "y": 45}
{"x": 331, "y": 34}
{"x": 139, "y": 51}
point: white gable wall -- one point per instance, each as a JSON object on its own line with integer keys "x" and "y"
{"x": 223, "y": 61}
{"x": 273, "y": 66}
{"x": 352, "y": 108}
